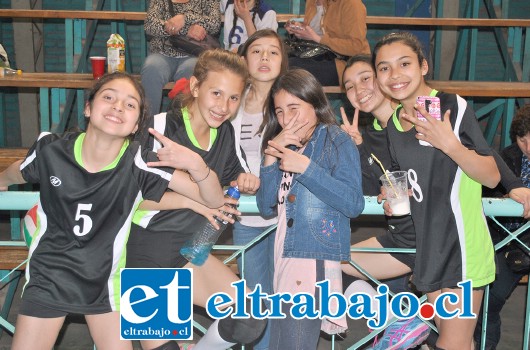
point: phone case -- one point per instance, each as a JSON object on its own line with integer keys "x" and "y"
{"x": 432, "y": 105}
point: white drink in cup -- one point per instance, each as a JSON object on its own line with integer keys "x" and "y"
{"x": 397, "y": 192}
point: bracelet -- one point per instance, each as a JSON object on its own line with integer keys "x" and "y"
{"x": 197, "y": 181}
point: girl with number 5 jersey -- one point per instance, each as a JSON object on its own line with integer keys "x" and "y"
{"x": 90, "y": 186}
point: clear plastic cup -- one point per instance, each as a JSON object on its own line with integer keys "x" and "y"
{"x": 397, "y": 192}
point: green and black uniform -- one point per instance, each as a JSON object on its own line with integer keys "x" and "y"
{"x": 83, "y": 222}
{"x": 157, "y": 236}
{"x": 453, "y": 243}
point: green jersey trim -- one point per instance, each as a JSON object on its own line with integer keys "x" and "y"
{"x": 395, "y": 118}
{"x": 377, "y": 126}
{"x": 142, "y": 217}
{"x": 78, "y": 147}
{"x": 191, "y": 135}
{"x": 120, "y": 256}
{"x": 475, "y": 250}
{"x": 478, "y": 262}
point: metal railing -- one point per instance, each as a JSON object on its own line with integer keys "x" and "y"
{"x": 493, "y": 207}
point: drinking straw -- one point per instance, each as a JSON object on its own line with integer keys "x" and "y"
{"x": 384, "y": 172}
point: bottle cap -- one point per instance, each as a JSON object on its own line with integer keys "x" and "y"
{"x": 233, "y": 192}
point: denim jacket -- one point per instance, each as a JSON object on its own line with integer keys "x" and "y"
{"x": 321, "y": 200}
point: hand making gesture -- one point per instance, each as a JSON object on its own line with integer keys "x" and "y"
{"x": 438, "y": 133}
{"x": 176, "y": 156}
{"x": 288, "y": 136}
{"x": 289, "y": 160}
{"x": 352, "y": 128}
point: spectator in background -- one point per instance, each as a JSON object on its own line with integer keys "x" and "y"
{"x": 195, "y": 19}
{"x": 338, "y": 24}
{"x": 243, "y": 18}
{"x": 517, "y": 157}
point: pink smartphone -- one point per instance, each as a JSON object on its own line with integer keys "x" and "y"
{"x": 431, "y": 104}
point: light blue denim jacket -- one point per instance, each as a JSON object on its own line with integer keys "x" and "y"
{"x": 322, "y": 200}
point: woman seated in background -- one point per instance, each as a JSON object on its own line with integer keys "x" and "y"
{"x": 338, "y": 24}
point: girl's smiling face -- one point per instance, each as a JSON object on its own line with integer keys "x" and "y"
{"x": 217, "y": 98}
{"x": 362, "y": 88}
{"x": 264, "y": 59}
{"x": 287, "y": 107}
{"x": 115, "y": 109}
{"x": 399, "y": 72}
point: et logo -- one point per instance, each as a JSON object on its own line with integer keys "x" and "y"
{"x": 156, "y": 304}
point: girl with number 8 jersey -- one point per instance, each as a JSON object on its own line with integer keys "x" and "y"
{"x": 452, "y": 242}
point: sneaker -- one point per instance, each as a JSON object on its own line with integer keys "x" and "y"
{"x": 403, "y": 334}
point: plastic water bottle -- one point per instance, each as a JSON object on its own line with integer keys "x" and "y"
{"x": 7, "y": 72}
{"x": 197, "y": 249}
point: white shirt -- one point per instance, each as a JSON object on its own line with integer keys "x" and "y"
{"x": 233, "y": 37}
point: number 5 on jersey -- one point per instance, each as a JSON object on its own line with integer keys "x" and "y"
{"x": 85, "y": 222}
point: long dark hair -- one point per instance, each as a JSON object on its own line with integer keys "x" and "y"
{"x": 303, "y": 85}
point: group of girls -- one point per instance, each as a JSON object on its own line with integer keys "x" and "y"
{"x": 309, "y": 178}
{"x": 448, "y": 224}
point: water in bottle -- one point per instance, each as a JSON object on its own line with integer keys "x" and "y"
{"x": 197, "y": 249}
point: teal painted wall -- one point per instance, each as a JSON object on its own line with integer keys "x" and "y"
{"x": 489, "y": 67}
{"x": 9, "y": 108}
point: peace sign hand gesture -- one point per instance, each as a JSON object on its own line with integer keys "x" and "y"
{"x": 439, "y": 133}
{"x": 289, "y": 160}
{"x": 288, "y": 136}
{"x": 353, "y": 128}
{"x": 175, "y": 156}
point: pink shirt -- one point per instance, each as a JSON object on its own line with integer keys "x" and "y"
{"x": 296, "y": 275}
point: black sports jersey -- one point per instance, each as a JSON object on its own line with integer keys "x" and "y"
{"x": 400, "y": 233}
{"x": 374, "y": 142}
{"x": 221, "y": 158}
{"x": 83, "y": 222}
{"x": 453, "y": 242}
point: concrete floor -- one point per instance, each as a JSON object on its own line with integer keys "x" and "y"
{"x": 75, "y": 336}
